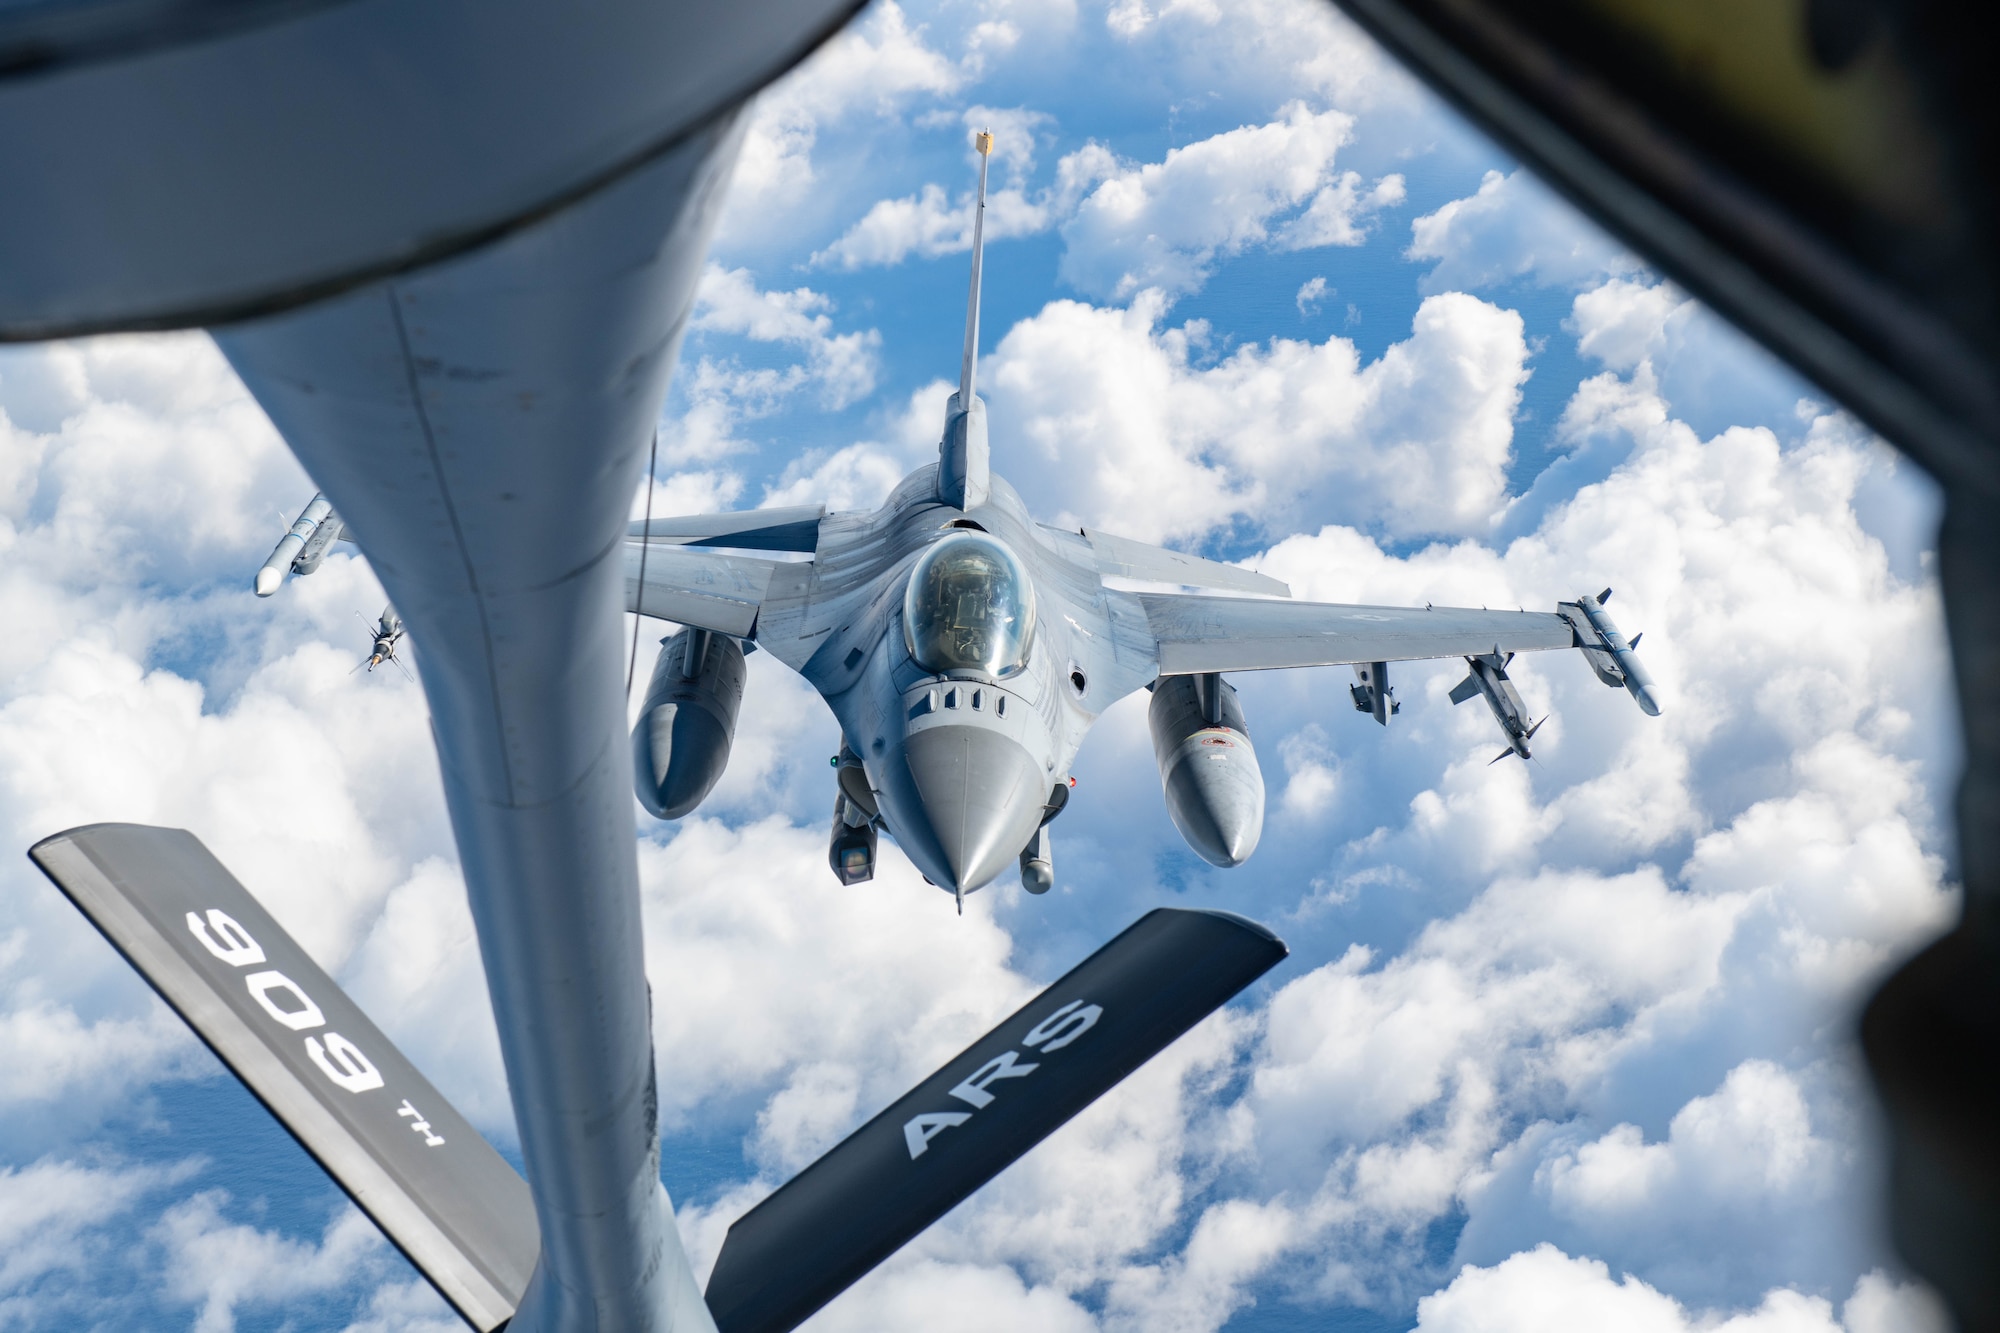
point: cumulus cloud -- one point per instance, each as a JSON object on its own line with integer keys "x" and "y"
{"x": 1513, "y": 228}
{"x": 1592, "y": 1007}
{"x": 1258, "y": 45}
{"x": 874, "y": 66}
{"x": 51, "y": 1213}
{"x": 1547, "y": 1291}
{"x": 1156, "y": 437}
{"x": 218, "y": 1266}
{"x": 721, "y": 392}
{"x": 1165, "y": 224}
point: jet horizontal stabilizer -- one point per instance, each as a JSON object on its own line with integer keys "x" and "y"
{"x": 435, "y": 1187}
{"x": 962, "y": 1126}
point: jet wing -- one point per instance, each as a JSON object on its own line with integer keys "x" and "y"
{"x": 1197, "y": 634}
{"x": 1136, "y": 560}
{"x": 746, "y": 530}
{"x": 701, "y": 588}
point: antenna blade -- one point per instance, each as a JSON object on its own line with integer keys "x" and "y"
{"x": 969, "y": 366}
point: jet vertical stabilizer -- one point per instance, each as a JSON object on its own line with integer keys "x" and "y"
{"x": 963, "y": 457}
{"x": 386, "y": 1136}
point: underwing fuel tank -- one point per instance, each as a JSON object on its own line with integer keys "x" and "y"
{"x": 681, "y": 743}
{"x": 1214, "y": 789}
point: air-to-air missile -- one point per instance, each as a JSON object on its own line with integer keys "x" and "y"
{"x": 301, "y": 549}
{"x": 1605, "y": 648}
{"x": 1488, "y": 677}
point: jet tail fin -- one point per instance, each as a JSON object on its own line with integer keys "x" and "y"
{"x": 878, "y": 1188}
{"x": 963, "y": 464}
{"x": 437, "y": 1189}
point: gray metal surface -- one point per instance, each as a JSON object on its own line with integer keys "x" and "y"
{"x": 1230, "y": 634}
{"x": 793, "y": 529}
{"x": 687, "y": 722}
{"x": 1125, "y": 558}
{"x": 481, "y": 427}
{"x": 405, "y": 1156}
{"x": 958, "y": 749}
{"x": 716, "y": 592}
{"x": 1208, "y": 767}
{"x": 162, "y": 172}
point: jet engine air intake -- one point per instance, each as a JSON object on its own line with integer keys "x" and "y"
{"x": 1214, "y": 789}
{"x": 688, "y": 721}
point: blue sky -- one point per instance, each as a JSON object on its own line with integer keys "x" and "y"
{"x": 1559, "y": 1046}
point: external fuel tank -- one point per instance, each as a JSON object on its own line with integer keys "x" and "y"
{"x": 681, "y": 743}
{"x": 1214, "y": 789}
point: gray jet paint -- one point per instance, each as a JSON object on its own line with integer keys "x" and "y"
{"x": 454, "y": 247}
{"x": 459, "y": 299}
{"x": 961, "y": 764}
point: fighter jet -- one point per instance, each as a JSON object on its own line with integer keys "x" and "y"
{"x": 967, "y": 648}
{"x": 451, "y": 250}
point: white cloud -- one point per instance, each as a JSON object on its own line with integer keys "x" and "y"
{"x": 52, "y": 1213}
{"x": 861, "y": 475}
{"x": 1752, "y": 1139}
{"x": 1513, "y": 228}
{"x": 1253, "y": 46}
{"x": 1165, "y": 224}
{"x": 220, "y": 1265}
{"x": 872, "y": 67}
{"x": 1546, "y": 1291}
{"x": 1154, "y": 439}
{"x": 723, "y": 393}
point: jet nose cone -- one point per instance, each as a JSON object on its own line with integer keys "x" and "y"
{"x": 983, "y": 795}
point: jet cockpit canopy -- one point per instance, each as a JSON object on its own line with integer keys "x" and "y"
{"x": 970, "y": 606}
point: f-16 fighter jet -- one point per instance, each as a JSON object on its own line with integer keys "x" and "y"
{"x": 966, "y": 649}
